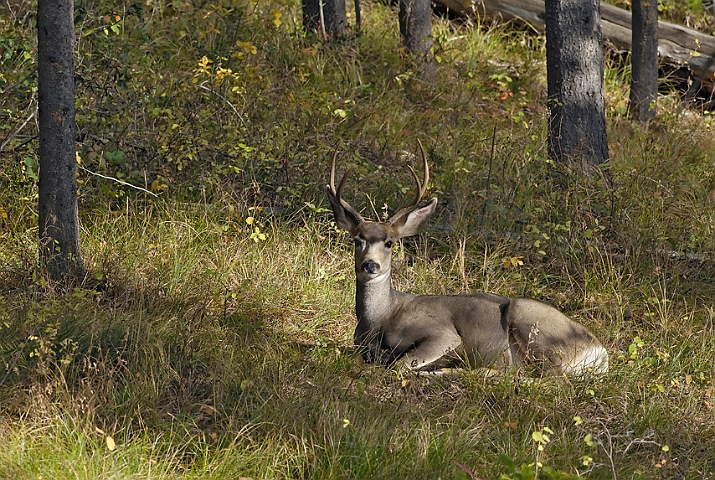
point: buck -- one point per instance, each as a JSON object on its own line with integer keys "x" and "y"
{"x": 431, "y": 332}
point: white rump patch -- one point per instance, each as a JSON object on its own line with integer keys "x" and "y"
{"x": 593, "y": 358}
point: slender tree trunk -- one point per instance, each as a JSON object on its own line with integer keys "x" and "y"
{"x": 644, "y": 60}
{"x": 333, "y": 18}
{"x": 574, "y": 70}
{"x": 416, "y": 31}
{"x": 59, "y": 221}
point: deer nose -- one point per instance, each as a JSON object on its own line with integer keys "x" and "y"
{"x": 370, "y": 267}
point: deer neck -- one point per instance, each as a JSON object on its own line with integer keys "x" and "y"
{"x": 375, "y": 300}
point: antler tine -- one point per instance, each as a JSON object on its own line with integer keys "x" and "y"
{"x": 420, "y": 190}
{"x": 340, "y": 187}
{"x": 338, "y": 193}
{"x": 421, "y": 187}
{"x": 332, "y": 172}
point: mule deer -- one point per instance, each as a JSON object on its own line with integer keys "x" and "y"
{"x": 429, "y": 332}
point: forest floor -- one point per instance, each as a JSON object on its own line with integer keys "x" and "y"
{"x": 212, "y": 336}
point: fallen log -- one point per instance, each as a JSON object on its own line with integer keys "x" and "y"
{"x": 677, "y": 45}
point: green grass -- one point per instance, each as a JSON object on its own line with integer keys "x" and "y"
{"x": 210, "y": 355}
{"x": 207, "y": 351}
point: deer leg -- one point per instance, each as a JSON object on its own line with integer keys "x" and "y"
{"x": 432, "y": 353}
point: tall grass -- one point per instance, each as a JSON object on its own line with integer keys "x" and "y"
{"x": 204, "y": 353}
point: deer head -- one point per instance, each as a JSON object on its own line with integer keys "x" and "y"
{"x": 374, "y": 240}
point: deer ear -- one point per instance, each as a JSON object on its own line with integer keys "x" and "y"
{"x": 411, "y": 223}
{"x": 346, "y": 216}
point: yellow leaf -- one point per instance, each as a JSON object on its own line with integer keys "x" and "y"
{"x": 694, "y": 54}
{"x": 248, "y": 47}
{"x": 79, "y": 159}
{"x": 277, "y": 14}
{"x": 110, "y": 443}
{"x": 513, "y": 261}
{"x": 250, "y": 220}
{"x": 3, "y": 213}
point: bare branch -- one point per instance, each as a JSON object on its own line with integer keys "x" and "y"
{"x": 235, "y": 110}
{"x": 122, "y": 182}
{"x": 8, "y": 139}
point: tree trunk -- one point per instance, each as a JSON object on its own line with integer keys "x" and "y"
{"x": 574, "y": 72}
{"x": 334, "y": 17}
{"x": 644, "y": 60}
{"x": 415, "y": 18}
{"x": 59, "y": 221}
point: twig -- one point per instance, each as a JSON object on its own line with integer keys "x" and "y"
{"x": 8, "y": 139}
{"x": 609, "y": 451}
{"x": 32, "y": 72}
{"x": 24, "y": 142}
{"x": 118, "y": 181}
{"x": 322, "y": 21}
{"x": 640, "y": 441}
{"x": 9, "y": 8}
{"x": 202, "y": 86}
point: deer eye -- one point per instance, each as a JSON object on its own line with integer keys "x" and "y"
{"x": 389, "y": 244}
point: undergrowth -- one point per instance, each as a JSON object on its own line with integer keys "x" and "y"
{"x": 212, "y": 335}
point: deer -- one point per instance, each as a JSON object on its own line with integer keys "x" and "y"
{"x": 433, "y": 333}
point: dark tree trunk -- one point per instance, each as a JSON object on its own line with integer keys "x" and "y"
{"x": 416, "y": 32}
{"x": 644, "y": 60}
{"x": 59, "y": 222}
{"x": 334, "y": 17}
{"x": 574, "y": 70}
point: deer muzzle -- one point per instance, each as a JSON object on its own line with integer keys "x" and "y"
{"x": 370, "y": 267}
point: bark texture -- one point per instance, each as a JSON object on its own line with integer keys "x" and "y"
{"x": 58, "y": 215}
{"x": 574, "y": 71}
{"x": 334, "y": 17}
{"x": 644, "y": 60}
{"x": 415, "y": 18}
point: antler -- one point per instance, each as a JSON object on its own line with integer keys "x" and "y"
{"x": 332, "y": 176}
{"x": 421, "y": 188}
{"x": 337, "y": 194}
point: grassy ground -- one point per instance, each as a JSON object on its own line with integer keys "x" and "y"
{"x": 212, "y": 335}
